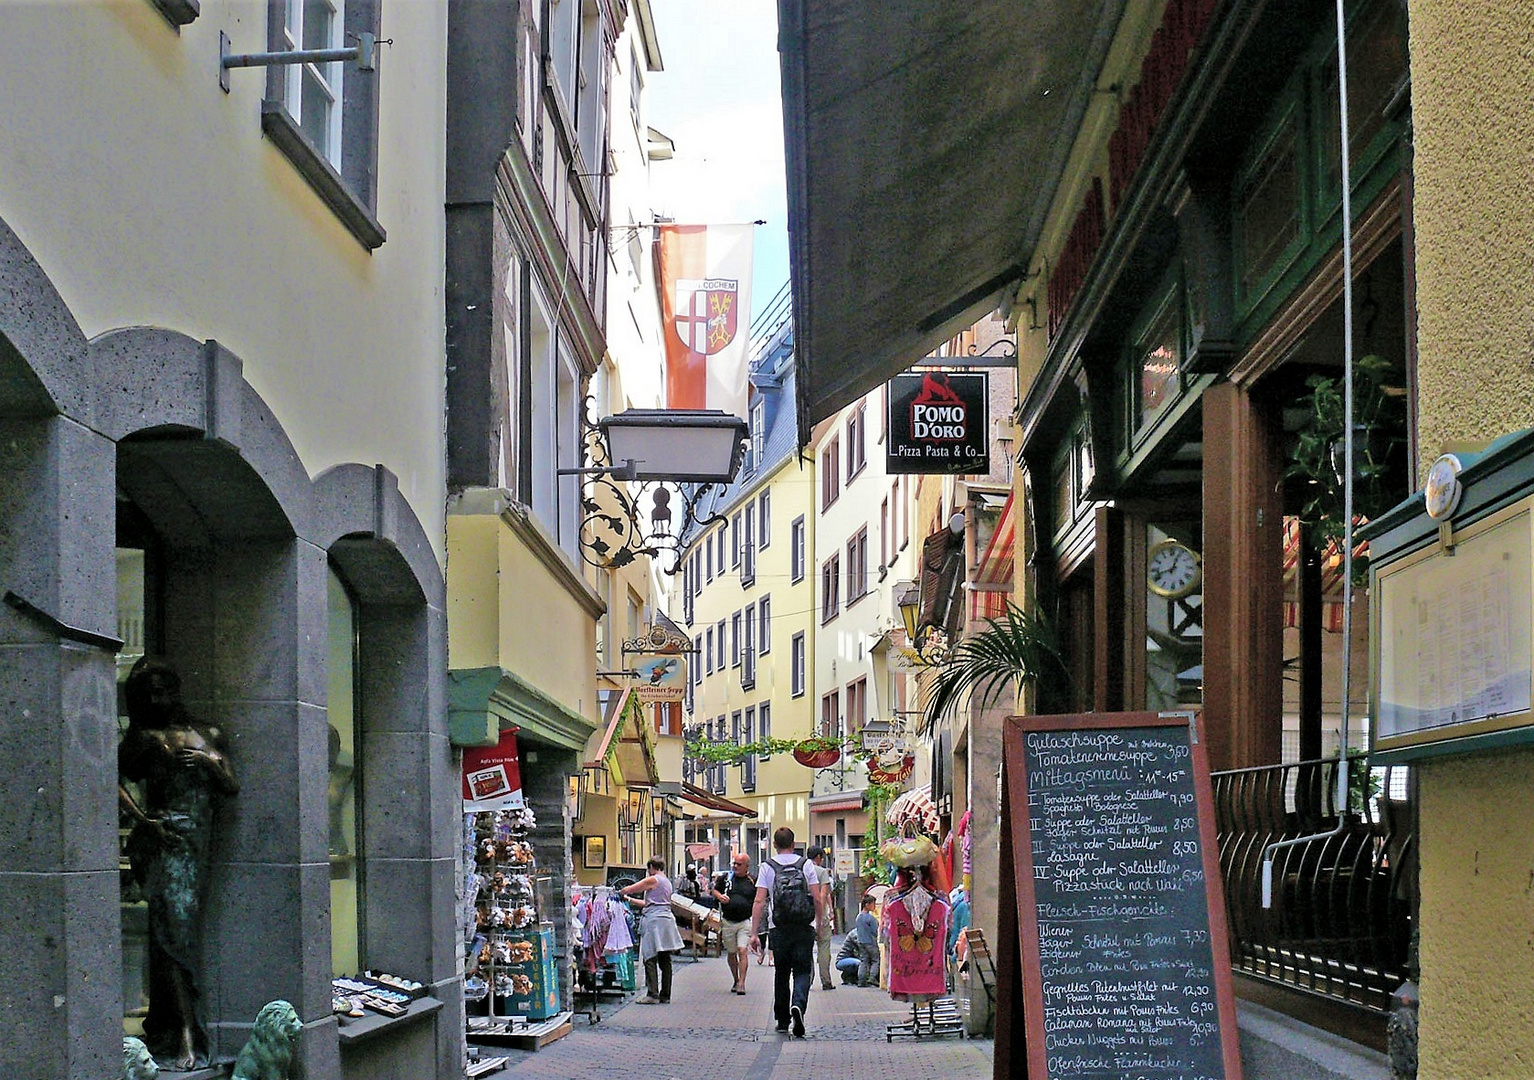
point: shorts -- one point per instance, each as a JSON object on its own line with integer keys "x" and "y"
{"x": 734, "y": 936}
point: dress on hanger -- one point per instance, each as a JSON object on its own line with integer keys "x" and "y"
{"x": 917, "y": 922}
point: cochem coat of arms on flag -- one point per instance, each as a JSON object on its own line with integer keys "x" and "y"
{"x": 706, "y": 310}
{"x": 705, "y": 295}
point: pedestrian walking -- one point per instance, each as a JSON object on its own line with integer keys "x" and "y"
{"x": 825, "y": 925}
{"x": 790, "y": 881}
{"x": 736, "y": 899}
{"x": 658, "y": 933}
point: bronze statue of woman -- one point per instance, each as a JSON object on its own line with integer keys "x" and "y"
{"x": 182, "y": 769}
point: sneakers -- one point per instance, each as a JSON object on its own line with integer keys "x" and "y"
{"x": 647, "y": 1000}
{"x": 828, "y": 986}
{"x": 798, "y": 1018}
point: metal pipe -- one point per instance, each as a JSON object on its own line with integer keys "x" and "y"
{"x": 1347, "y": 480}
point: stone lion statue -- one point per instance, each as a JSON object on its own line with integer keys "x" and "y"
{"x": 269, "y": 1051}
{"x": 137, "y": 1062}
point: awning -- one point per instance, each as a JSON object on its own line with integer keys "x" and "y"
{"x": 826, "y": 804}
{"x": 717, "y": 803}
{"x": 924, "y": 142}
{"x": 992, "y": 587}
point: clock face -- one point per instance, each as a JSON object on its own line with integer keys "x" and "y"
{"x": 1173, "y": 569}
{"x": 1443, "y": 490}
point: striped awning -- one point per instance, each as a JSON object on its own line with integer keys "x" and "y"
{"x": 992, "y": 587}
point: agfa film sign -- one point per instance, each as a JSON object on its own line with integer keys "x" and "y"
{"x": 939, "y": 422}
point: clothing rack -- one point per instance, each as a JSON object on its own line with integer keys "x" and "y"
{"x": 588, "y": 986}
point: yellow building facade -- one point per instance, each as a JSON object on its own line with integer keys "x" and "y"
{"x": 748, "y": 602}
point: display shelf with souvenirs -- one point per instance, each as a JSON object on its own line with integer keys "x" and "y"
{"x": 510, "y": 972}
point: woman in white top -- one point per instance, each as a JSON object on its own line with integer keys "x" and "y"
{"x": 658, "y": 933}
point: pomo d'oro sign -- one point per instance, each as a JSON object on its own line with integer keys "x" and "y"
{"x": 939, "y": 422}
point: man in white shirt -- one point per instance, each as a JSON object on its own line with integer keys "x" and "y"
{"x": 792, "y": 883}
{"x": 823, "y": 929}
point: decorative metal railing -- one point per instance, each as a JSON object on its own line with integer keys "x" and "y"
{"x": 1340, "y": 921}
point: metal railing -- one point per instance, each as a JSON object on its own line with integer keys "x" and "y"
{"x": 1340, "y": 923}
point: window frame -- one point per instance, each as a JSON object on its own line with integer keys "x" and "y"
{"x": 830, "y": 472}
{"x": 764, "y": 631}
{"x": 857, "y": 568}
{"x": 857, "y": 441}
{"x": 830, "y": 587}
{"x": 764, "y": 520}
{"x": 796, "y": 552}
{"x": 796, "y": 665}
{"x": 349, "y": 189}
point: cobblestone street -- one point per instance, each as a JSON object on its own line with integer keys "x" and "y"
{"x": 706, "y": 1029}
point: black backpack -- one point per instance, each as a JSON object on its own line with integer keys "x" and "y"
{"x": 791, "y": 901}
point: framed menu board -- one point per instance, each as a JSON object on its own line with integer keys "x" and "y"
{"x": 1120, "y": 910}
{"x": 1452, "y": 651}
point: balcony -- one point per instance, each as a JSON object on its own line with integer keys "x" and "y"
{"x": 1343, "y": 904}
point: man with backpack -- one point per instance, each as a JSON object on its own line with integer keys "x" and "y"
{"x": 790, "y": 882}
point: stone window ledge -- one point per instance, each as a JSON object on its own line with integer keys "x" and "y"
{"x": 321, "y": 175}
{"x": 373, "y": 1025}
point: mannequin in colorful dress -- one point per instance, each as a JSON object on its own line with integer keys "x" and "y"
{"x": 916, "y": 923}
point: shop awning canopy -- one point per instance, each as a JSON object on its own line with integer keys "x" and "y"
{"x": 717, "y": 803}
{"x": 924, "y": 143}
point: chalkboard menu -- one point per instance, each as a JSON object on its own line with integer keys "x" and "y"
{"x": 1126, "y": 967}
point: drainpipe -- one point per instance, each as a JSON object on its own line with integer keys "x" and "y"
{"x": 1347, "y": 480}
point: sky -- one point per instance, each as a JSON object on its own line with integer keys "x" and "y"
{"x": 718, "y": 100}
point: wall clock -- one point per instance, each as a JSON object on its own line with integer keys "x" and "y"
{"x": 1173, "y": 569}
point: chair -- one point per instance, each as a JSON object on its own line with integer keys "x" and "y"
{"x": 981, "y": 965}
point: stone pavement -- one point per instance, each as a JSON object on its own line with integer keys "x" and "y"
{"x": 707, "y": 1031}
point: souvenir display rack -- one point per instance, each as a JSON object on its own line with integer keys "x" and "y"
{"x": 510, "y": 975}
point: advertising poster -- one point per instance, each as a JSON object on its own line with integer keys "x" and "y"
{"x": 492, "y": 776}
{"x": 939, "y": 422}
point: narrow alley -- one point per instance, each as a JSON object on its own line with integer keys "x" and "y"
{"x": 707, "y": 1031}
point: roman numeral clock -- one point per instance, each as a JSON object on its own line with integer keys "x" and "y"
{"x": 1173, "y": 570}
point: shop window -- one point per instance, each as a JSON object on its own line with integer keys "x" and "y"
{"x": 1174, "y": 616}
{"x": 1158, "y": 362}
{"x": 138, "y": 625}
{"x": 324, "y": 117}
{"x": 341, "y": 712}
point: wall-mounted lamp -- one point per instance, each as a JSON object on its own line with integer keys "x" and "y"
{"x": 670, "y": 454}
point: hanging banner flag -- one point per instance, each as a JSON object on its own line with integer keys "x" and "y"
{"x": 705, "y": 296}
{"x": 492, "y": 776}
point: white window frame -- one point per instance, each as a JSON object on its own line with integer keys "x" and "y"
{"x": 327, "y": 76}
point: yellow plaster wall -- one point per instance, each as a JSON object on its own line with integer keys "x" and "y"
{"x": 507, "y": 610}
{"x": 151, "y": 198}
{"x": 1472, "y": 68}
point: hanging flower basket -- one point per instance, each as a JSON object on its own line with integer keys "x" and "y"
{"x": 817, "y": 753}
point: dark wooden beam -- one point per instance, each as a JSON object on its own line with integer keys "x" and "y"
{"x": 1243, "y": 581}
{"x": 1108, "y": 587}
